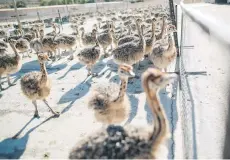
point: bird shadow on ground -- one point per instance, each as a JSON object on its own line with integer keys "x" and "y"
{"x": 134, "y": 108}
{"x": 34, "y": 66}
{"x": 76, "y": 66}
{"x": 74, "y": 94}
{"x": 13, "y": 148}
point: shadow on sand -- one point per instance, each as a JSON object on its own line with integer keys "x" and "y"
{"x": 13, "y": 148}
{"x": 74, "y": 94}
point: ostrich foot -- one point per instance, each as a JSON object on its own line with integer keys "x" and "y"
{"x": 36, "y": 115}
{"x": 95, "y": 74}
{"x": 71, "y": 58}
{"x": 56, "y": 114}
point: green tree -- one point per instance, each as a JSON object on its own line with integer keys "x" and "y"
{"x": 19, "y": 4}
{"x": 54, "y": 2}
{"x": 89, "y": 1}
{"x": 81, "y": 1}
{"x": 44, "y": 3}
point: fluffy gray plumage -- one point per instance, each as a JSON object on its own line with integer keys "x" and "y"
{"x": 88, "y": 39}
{"x": 128, "y": 53}
{"x": 36, "y": 45}
{"x": 3, "y": 44}
{"x": 89, "y": 55}
{"x": 104, "y": 39}
{"x": 127, "y": 39}
{"x": 115, "y": 142}
{"x": 8, "y": 61}
{"x": 32, "y": 88}
{"x": 108, "y": 93}
{"x": 48, "y": 42}
{"x": 22, "y": 44}
{"x": 66, "y": 40}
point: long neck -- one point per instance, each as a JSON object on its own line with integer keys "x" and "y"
{"x": 123, "y": 87}
{"x": 44, "y": 72}
{"x": 14, "y": 49}
{"x": 140, "y": 33}
{"x": 82, "y": 34}
{"x": 129, "y": 30}
{"x": 162, "y": 30}
{"x": 160, "y": 121}
{"x": 153, "y": 32}
{"x": 171, "y": 42}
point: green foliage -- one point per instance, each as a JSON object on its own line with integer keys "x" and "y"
{"x": 62, "y": 2}
{"x": 81, "y": 1}
{"x": 21, "y": 4}
{"x": 44, "y": 3}
{"x": 107, "y": 0}
{"x": 54, "y": 2}
{"x": 89, "y": 1}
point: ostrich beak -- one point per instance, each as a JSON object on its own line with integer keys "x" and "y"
{"x": 131, "y": 73}
{"x": 171, "y": 77}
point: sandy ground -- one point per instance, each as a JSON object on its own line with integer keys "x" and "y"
{"x": 50, "y": 137}
{"x": 196, "y": 115}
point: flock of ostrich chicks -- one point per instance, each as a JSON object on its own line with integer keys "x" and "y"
{"x": 129, "y": 36}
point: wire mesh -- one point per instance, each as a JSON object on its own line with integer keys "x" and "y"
{"x": 186, "y": 104}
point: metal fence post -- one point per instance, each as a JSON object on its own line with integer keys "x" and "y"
{"x": 172, "y": 15}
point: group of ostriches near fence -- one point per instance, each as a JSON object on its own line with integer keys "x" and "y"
{"x": 128, "y": 37}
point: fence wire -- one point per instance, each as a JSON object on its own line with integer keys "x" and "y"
{"x": 186, "y": 103}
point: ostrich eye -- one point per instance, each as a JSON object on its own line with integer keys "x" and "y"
{"x": 122, "y": 71}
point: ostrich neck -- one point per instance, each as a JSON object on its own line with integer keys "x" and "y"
{"x": 123, "y": 87}
{"x": 153, "y": 32}
{"x": 160, "y": 36}
{"x": 171, "y": 43}
{"x": 82, "y": 34}
{"x": 160, "y": 129}
{"x": 15, "y": 51}
{"x": 140, "y": 33}
{"x": 44, "y": 72}
{"x": 160, "y": 125}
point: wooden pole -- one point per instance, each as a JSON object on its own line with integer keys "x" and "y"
{"x": 17, "y": 16}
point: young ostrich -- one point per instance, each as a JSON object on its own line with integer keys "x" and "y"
{"x": 88, "y": 39}
{"x": 9, "y": 64}
{"x": 132, "y": 52}
{"x": 161, "y": 57}
{"x": 111, "y": 104}
{"x": 151, "y": 40}
{"x": 89, "y": 57}
{"x": 105, "y": 40}
{"x": 37, "y": 85}
{"x": 65, "y": 41}
{"x": 130, "y": 142}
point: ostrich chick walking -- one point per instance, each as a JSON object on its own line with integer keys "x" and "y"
{"x": 37, "y": 85}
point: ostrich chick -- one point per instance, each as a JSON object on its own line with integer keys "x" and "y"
{"x": 131, "y": 142}
{"x": 37, "y": 85}
{"x": 111, "y": 104}
{"x": 89, "y": 57}
{"x": 9, "y": 64}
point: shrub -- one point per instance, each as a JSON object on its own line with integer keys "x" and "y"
{"x": 44, "y": 3}
{"x": 21, "y": 4}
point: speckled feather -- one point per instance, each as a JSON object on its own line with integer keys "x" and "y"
{"x": 89, "y": 55}
{"x": 115, "y": 142}
{"x": 31, "y": 86}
